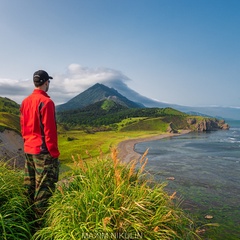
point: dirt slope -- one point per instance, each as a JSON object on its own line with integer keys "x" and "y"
{"x": 11, "y": 148}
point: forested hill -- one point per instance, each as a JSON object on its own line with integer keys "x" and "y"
{"x": 111, "y": 115}
{"x": 109, "y": 112}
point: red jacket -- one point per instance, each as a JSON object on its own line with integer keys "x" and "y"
{"x": 38, "y": 124}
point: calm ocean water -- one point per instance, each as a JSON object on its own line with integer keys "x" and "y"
{"x": 206, "y": 171}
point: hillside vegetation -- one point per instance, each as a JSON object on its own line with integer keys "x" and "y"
{"x": 9, "y": 106}
{"x": 108, "y": 112}
{"x": 9, "y": 121}
{"x": 109, "y": 115}
{"x": 9, "y": 115}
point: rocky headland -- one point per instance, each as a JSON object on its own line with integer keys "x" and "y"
{"x": 207, "y": 124}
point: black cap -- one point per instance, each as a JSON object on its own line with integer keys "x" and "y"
{"x": 41, "y": 76}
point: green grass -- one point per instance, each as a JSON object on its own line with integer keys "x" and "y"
{"x": 110, "y": 199}
{"x": 14, "y": 210}
{"x": 8, "y": 105}
{"x": 108, "y": 104}
{"x": 9, "y": 121}
{"x": 99, "y": 199}
{"x": 129, "y": 121}
{"x": 153, "y": 124}
{"x": 89, "y": 145}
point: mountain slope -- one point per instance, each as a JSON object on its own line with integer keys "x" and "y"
{"x": 96, "y": 93}
{"x": 218, "y": 112}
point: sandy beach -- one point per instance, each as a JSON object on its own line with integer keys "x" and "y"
{"x": 126, "y": 151}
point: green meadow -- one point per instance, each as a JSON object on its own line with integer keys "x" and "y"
{"x": 91, "y": 143}
{"x": 89, "y": 146}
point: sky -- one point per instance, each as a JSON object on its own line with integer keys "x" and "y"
{"x": 184, "y": 52}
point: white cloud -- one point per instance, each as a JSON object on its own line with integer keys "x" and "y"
{"x": 65, "y": 86}
{"x": 14, "y": 89}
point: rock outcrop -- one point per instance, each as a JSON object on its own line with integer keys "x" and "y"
{"x": 207, "y": 124}
{"x": 171, "y": 129}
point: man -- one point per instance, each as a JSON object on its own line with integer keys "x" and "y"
{"x": 39, "y": 132}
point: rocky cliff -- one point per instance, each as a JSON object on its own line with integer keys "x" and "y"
{"x": 207, "y": 124}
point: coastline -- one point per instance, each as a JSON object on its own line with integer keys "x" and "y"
{"x": 126, "y": 151}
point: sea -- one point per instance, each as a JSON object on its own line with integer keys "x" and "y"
{"x": 204, "y": 169}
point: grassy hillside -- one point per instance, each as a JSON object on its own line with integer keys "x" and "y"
{"x": 9, "y": 121}
{"x": 9, "y": 106}
{"x": 160, "y": 124}
{"x": 152, "y": 124}
{"x": 9, "y": 114}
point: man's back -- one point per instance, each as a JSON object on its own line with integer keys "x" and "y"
{"x": 38, "y": 124}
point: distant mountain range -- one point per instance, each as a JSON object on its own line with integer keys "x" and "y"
{"x": 131, "y": 99}
{"x": 218, "y": 112}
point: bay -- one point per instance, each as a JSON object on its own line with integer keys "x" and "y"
{"x": 204, "y": 169}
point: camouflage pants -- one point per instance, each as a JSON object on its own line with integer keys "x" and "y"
{"x": 40, "y": 178}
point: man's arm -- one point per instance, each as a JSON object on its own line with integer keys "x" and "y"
{"x": 50, "y": 128}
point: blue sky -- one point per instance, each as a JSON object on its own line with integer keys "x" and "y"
{"x": 185, "y": 52}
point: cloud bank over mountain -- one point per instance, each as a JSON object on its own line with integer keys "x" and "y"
{"x": 65, "y": 86}
{"x": 77, "y": 79}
